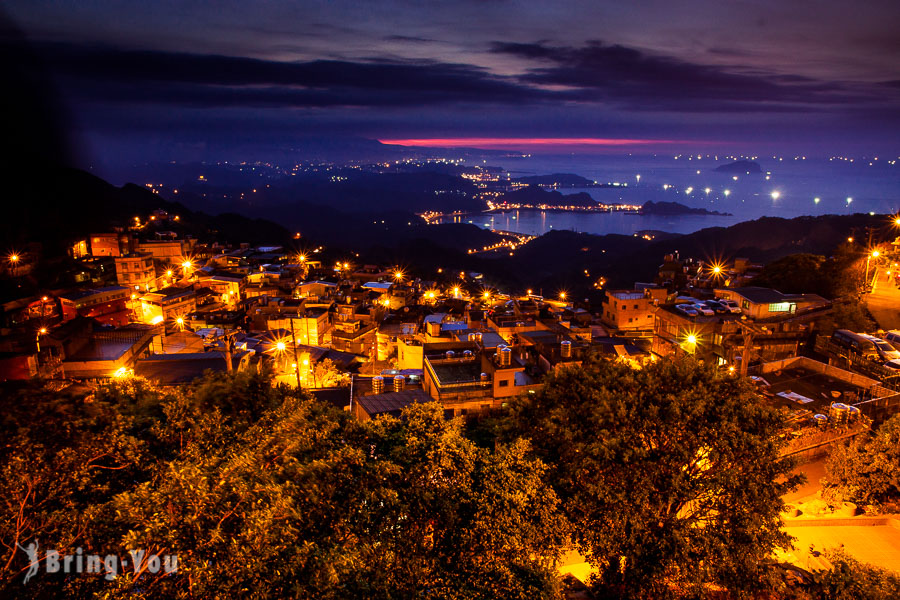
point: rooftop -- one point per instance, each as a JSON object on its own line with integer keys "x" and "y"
{"x": 391, "y": 403}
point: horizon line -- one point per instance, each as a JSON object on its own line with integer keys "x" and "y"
{"x": 512, "y": 143}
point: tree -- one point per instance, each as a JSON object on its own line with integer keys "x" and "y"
{"x": 671, "y": 475}
{"x": 867, "y": 471}
{"x": 796, "y": 273}
{"x": 301, "y": 501}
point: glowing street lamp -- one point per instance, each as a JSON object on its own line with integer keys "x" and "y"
{"x": 180, "y": 322}
{"x": 871, "y": 255}
{"x": 14, "y": 258}
{"x": 280, "y": 346}
{"x": 562, "y": 295}
{"x": 456, "y": 292}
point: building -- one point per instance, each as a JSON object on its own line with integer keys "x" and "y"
{"x": 309, "y": 328}
{"x": 109, "y": 305}
{"x": 167, "y": 251}
{"x": 467, "y": 378}
{"x": 136, "y": 272}
{"x": 92, "y": 353}
{"x": 778, "y": 331}
{"x": 764, "y": 303}
{"x": 108, "y": 244}
{"x": 630, "y": 312}
{"x": 389, "y": 402}
{"x": 167, "y": 306}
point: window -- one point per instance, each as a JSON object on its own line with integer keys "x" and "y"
{"x": 635, "y": 307}
{"x": 504, "y": 383}
{"x": 745, "y": 304}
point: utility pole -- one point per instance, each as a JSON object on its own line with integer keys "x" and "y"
{"x": 229, "y": 350}
{"x": 296, "y": 362}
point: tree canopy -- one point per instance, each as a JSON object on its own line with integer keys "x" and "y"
{"x": 671, "y": 475}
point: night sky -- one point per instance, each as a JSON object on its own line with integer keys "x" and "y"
{"x": 212, "y": 80}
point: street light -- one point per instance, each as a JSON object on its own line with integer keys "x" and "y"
{"x": 562, "y": 295}
{"x": 873, "y": 254}
{"x": 180, "y": 322}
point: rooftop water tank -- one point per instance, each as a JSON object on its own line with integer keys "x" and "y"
{"x": 485, "y": 379}
{"x": 821, "y": 421}
{"x": 839, "y": 413}
{"x": 468, "y": 354}
{"x": 450, "y": 354}
{"x": 504, "y": 355}
{"x": 565, "y": 349}
{"x": 399, "y": 383}
{"x": 377, "y": 384}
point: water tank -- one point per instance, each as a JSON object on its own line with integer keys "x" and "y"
{"x": 468, "y": 354}
{"x": 565, "y": 349}
{"x": 504, "y": 356}
{"x": 471, "y": 337}
{"x": 477, "y": 335}
{"x": 852, "y": 415}
{"x": 450, "y": 354}
{"x": 485, "y": 379}
{"x": 399, "y": 383}
{"x": 821, "y": 421}
{"x": 839, "y": 413}
{"x": 377, "y": 384}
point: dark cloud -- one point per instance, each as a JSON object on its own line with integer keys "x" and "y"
{"x": 618, "y": 74}
{"x": 408, "y": 38}
{"x": 214, "y": 80}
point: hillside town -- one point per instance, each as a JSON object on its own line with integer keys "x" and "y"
{"x": 373, "y": 339}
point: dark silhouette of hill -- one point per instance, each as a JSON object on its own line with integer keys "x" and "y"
{"x": 675, "y": 208}
{"x": 740, "y": 167}
{"x": 560, "y": 179}
{"x": 537, "y": 196}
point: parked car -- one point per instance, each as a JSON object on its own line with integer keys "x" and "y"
{"x": 855, "y": 342}
{"x": 892, "y": 338}
{"x": 716, "y": 306}
{"x": 702, "y": 309}
{"x": 893, "y": 365}
{"x": 731, "y": 305}
{"x": 687, "y": 309}
{"x": 884, "y": 350}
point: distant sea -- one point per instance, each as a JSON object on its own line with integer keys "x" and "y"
{"x": 787, "y": 187}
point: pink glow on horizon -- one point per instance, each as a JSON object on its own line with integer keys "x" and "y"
{"x": 518, "y": 143}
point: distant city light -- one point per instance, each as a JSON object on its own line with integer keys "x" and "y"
{"x": 817, "y": 199}
{"x": 849, "y": 200}
{"x": 692, "y": 339}
{"x": 727, "y": 193}
{"x": 280, "y": 346}
{"x": 776, "y": 195}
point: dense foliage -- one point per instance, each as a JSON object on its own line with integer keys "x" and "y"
{"x": 262, "y": 491}
{"x": 671, "y": 475}
{"x": 668, "y": 479}
{"x": 867, "y": 471}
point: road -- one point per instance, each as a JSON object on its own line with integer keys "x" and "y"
{"x": 884, "y": 302}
